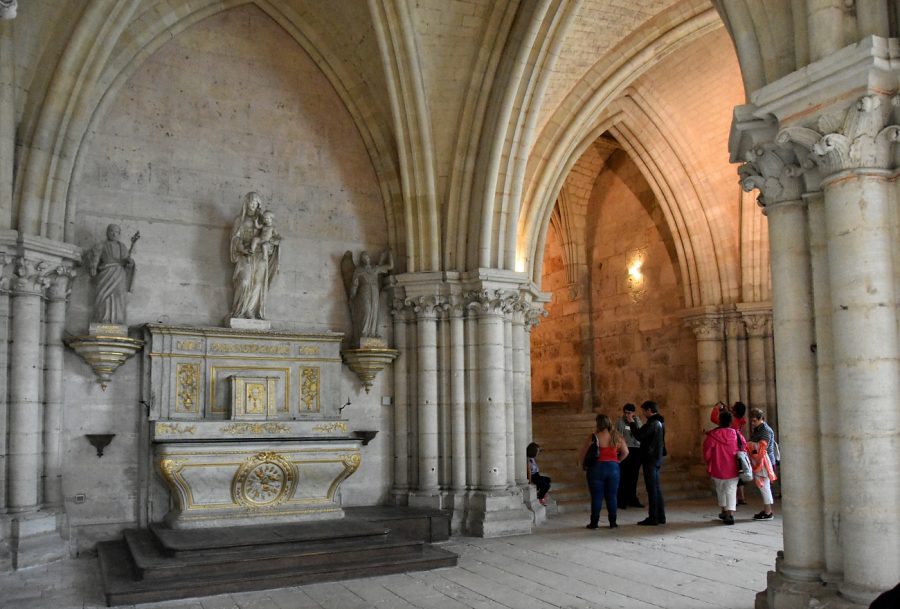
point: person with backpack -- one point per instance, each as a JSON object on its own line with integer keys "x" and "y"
{"x": 600, "y": 458}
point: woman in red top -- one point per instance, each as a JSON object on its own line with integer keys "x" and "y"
{"x": 738, "y": 422}
{"x": 603, "y": 474}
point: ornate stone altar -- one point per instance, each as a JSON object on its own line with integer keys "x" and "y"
{"x": 245, "y": 426}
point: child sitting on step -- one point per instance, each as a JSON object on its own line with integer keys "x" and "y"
{"x": 534, "y": 477}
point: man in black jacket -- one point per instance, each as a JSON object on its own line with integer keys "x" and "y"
{"x": 652, "y": 436}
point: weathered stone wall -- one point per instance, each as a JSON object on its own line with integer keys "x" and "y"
{"x": 557, "y": 362}
{"x": 641, "y": 349}
{"x": 232, "y": 104}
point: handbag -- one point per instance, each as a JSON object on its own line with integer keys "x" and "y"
{"x": 592, "y": 454}
{"x": 745, "y": 470}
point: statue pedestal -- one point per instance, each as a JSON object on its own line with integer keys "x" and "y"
{"x": 104, "y": 349}
{"x": 257, "y": 325}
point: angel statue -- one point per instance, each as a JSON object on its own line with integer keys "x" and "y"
{"x": 363, "y": 285}
{"x": 254, "y": 252}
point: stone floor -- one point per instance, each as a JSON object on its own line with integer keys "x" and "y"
{"x": 691, "y": 563}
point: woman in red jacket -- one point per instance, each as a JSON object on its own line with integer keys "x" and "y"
{"x": 719, "y": 449}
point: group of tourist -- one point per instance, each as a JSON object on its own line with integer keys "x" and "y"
{"x": 612, "y": 457}
{"x": 720, "y": 450}
{"x": 615, "y": 453}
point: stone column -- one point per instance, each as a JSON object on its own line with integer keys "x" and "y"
{"x": 830, "y": 424}
{"x": 856, "y": 162}
{"x": 709, "y": 332}
{"x": 734, "y": 330}
{"x": 866, "y": 374}
{"x": 520, "y": 381}
{"x": 25, "y": 421}
{"x": 400, "y": 488}
{"x": 6, "y": 269}
{"x": 473, "y": 411}
{"x": 427, "y": 395}
{"x": 770, "y": 169}
{"x": 445, "y": 415}
{"x": 492, "y": 394}
{"x": 757, "y": 325}
{"x": 510, "y": 398}
{"x": 458, "y": 398}
{"x": 57, "y": 299}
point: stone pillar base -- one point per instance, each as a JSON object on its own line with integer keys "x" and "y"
{"x": 498, "y": 514}
{"x": 784, "y": 593}
{"x": 35, "y": 540}
{"x": 539, "y": 511}
{"x": 426, "y": 499}
{"x": 458, "y": 503}
{"x": 399, "y": 497}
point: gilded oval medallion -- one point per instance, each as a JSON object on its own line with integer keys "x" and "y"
{"x": 264, "y": 480}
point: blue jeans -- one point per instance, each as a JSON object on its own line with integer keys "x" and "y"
{"x": 603, "y": 482}
{"x": 657, "y": 508}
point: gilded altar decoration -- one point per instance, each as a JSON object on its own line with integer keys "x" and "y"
{"x": 174, "y": 428}
{"x": 264, "y": 480}
{"x": 253, "y": 397}
{"x": 235, "y": 429}
{"x": 309, "y": 388}
{"x": 188, "y": 396}
{"x": 330, "y": 427}
{"x": 309, "y": 350}
{"x": 351, "y": 462}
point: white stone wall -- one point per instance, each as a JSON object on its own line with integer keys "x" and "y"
{"x": 231, "y": 104}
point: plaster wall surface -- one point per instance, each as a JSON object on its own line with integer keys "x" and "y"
{"x": 232, "y": 104}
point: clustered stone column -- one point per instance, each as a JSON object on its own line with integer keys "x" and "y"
{"x": 834, "y": 241}
{"x": 470, "y": 345}
{"x": 732, "y": 359}
{"x": 34, "y": 288}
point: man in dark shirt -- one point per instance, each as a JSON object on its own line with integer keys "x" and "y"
{"x": 652, "y": 436}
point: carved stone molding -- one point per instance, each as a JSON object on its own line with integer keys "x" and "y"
{"x": 860, "y": 138}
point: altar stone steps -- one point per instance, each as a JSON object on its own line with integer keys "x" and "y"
{"x": 159, "y": 563}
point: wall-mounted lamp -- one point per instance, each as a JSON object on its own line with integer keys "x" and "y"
{"x": 100, "y": 441}
{"x": 635, "y": 280}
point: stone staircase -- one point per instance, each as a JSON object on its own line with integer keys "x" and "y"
{"x": 160, "y": 563}
{"x": 561, "y": 431}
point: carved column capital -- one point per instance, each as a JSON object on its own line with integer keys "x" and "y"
{"x": 426, "y": 307}
{"x": 59, "y": 287}
{"x": 858, "y": 138}
{"x": 8, "y": 9}
{"x": 759, "y": 325}
{"x": 491, "y": 302}
{"x": 734, "y": 326}
{"x": 707, "y": 327}
{"x": 30, "y": 276}
{"x": 775, "y": 171}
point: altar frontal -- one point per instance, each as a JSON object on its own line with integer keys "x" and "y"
{"x": 245, "y": 425}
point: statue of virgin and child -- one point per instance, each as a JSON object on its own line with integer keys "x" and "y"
{"x": 254, "y": 252}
